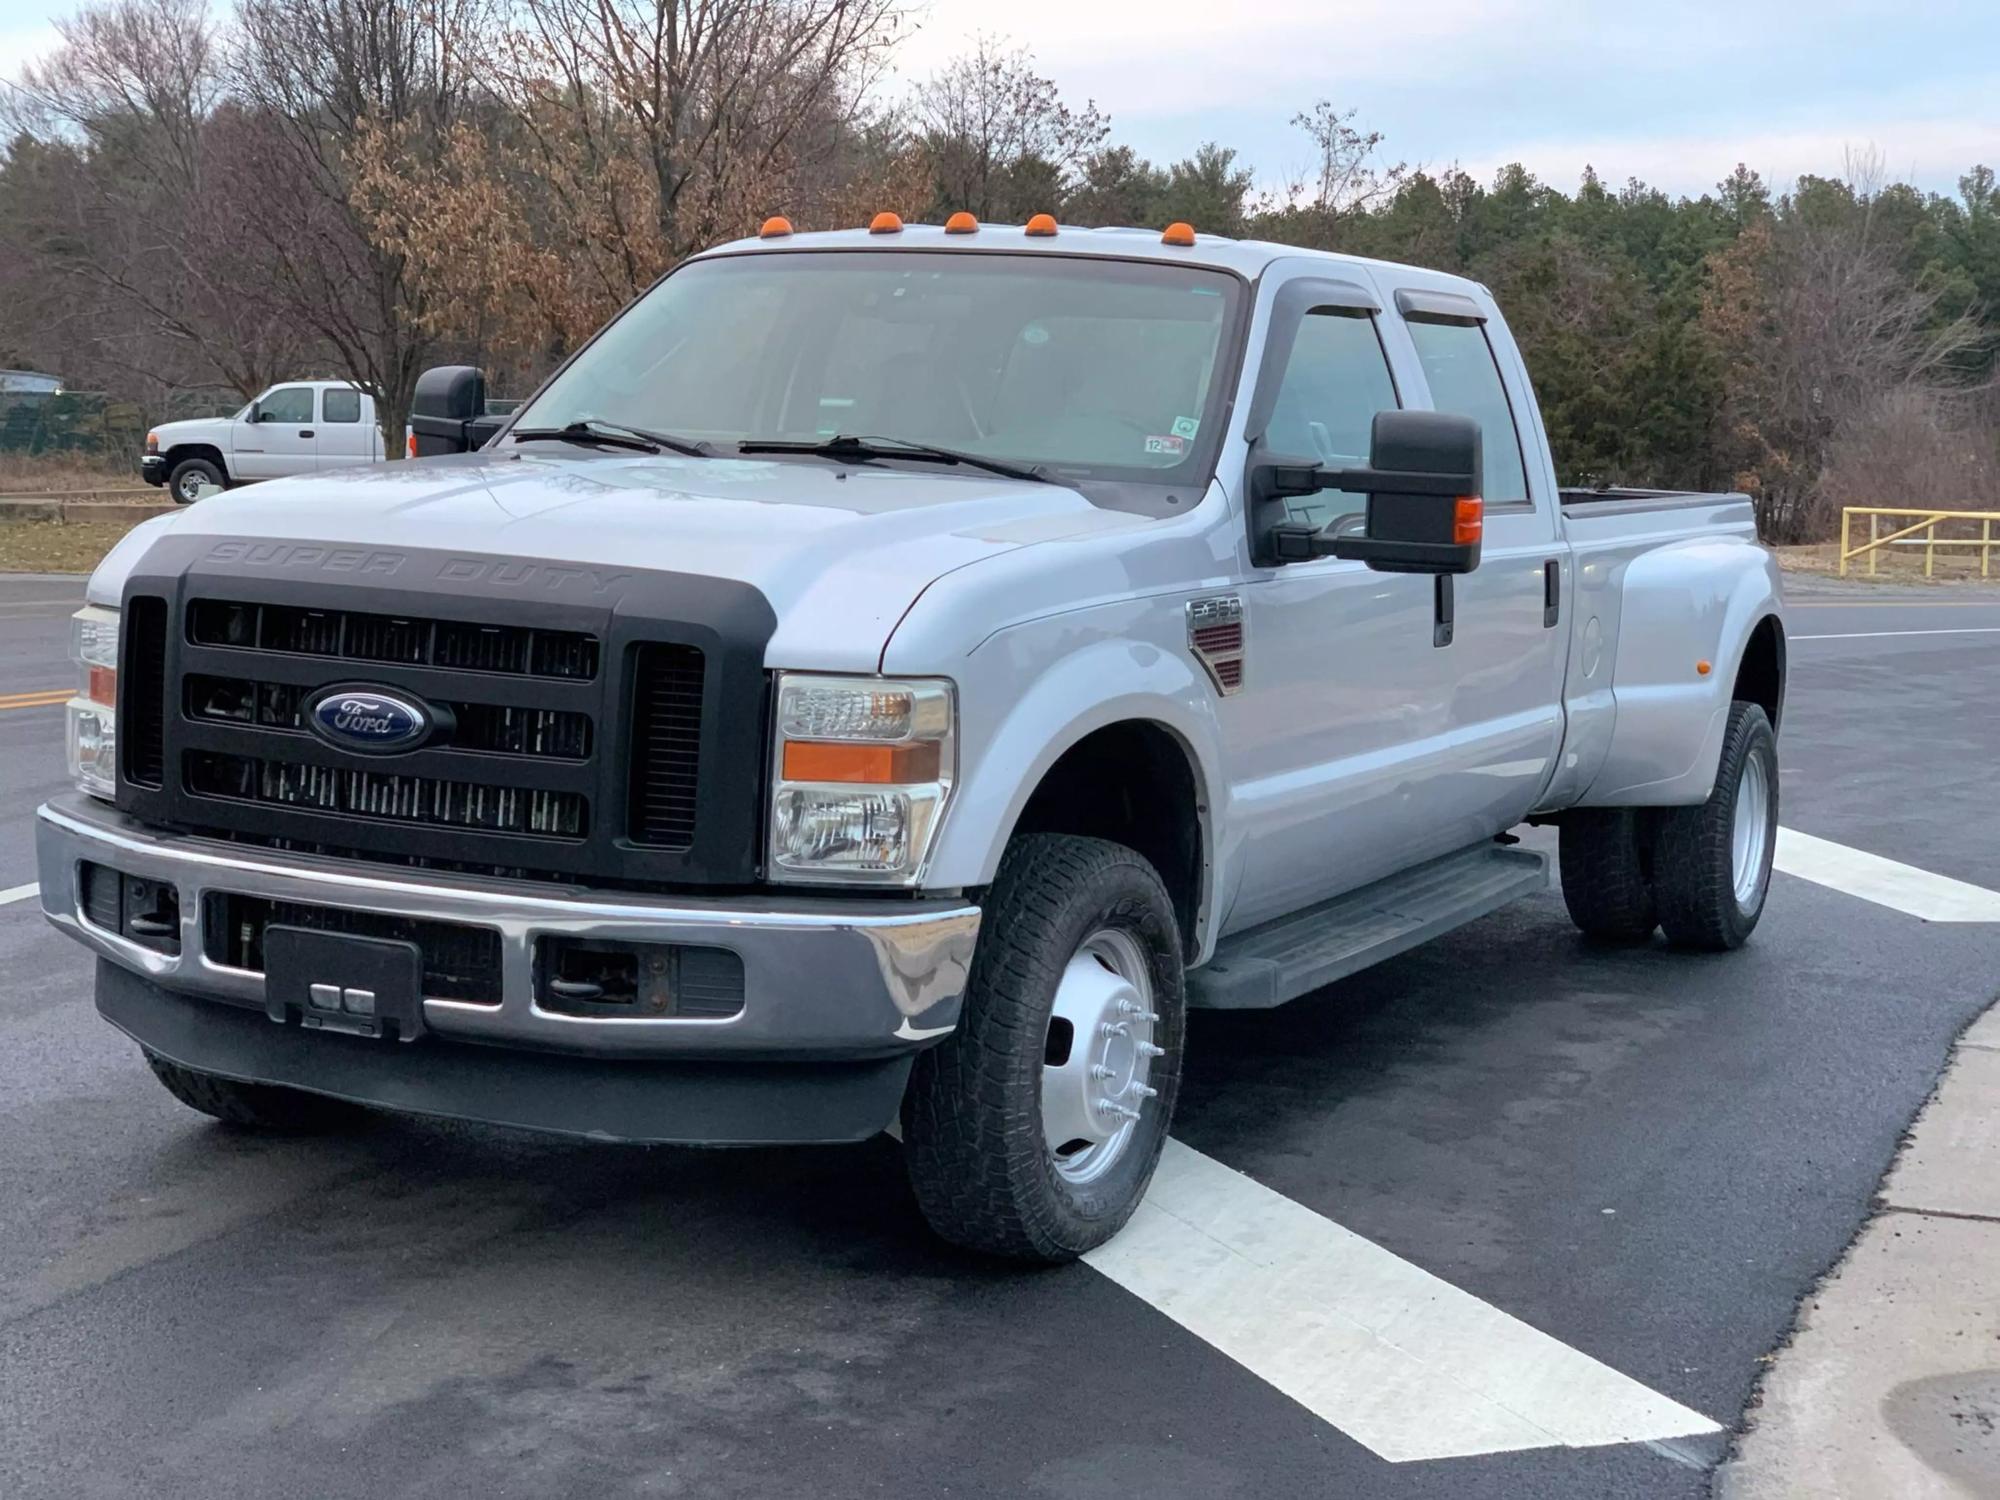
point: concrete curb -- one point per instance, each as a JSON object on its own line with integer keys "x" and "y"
{"x": 1890, "y": 1387}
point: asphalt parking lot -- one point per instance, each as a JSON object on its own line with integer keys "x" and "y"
{"x": 1647, "y": 1156}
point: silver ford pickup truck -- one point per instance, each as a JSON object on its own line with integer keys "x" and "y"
{"x": 891, "y": 676}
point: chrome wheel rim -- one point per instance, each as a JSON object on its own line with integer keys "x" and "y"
{"x": 1098, "y": 1056}
{"x": 1751, "y": 831}
{"x": 190, "y": 486}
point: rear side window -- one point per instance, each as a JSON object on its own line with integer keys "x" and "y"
{"x": 1464, "y": 379}
{"x": 1335, "y": 382}
{"x": 341, "y": 406}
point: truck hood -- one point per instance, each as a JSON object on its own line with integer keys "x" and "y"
{"x": 188, "y": 427}
{"x": 839, "y": 551}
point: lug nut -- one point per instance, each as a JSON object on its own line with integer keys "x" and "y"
{"x": 1147, "y": 1049}
{"x": 1099, "y": 1070}
{"x": 1144, "y": 1092}
{"x": 1112, "y": 1107}
{"x": 1114, "y": 1028}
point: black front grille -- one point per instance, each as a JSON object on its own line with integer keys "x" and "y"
{"x": 666, "y": 744}
{"x": 393, "y": 795}
{"x": 501, "y": 728}
{"x": 353, "y": 635}
{"x": 459, "y": 962}
{"x": 143, "y": 681}
{"x": 589, "y": 725}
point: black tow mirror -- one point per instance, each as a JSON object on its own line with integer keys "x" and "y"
{"x": 1422, "y": 482}
{"x": 256, "y": 411}
{"x": 448, "y": 412}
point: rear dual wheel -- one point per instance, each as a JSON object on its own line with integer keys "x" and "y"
{"x": 1701, "y": 873}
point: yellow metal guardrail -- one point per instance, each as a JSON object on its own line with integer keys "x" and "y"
{"x": 1906, "y": 536}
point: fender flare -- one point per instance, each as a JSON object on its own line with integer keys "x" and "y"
{"x": 1057, "y": 711}
{"x": 1681, "y": 606}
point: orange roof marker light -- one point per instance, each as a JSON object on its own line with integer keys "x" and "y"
{"x": 1177, "y": 233}
{"x": 1042, "y": 226}
{"x": 961, "y": 223}
{"x": 775, "y": 228}
{"x": 885, "y": 223}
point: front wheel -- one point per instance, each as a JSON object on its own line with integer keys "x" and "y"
{"x": 1712, "y": 863}
{"x": 1033, "y": 1130}
{"x": 190, "y": 477}
{"x": 252, "y": 1106}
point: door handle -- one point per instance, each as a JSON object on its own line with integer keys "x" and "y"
{"x": 1552, "y": 592}
{"x": 1444, "y": 616}
{"x": 305, "y": 432}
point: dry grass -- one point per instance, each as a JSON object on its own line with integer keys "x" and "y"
{"x": 57, "y": 473}
{"x": 1897, "y": 565}
{"x": 57, "y": 546}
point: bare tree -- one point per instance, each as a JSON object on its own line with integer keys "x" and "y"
{"x": 1820, "y": 330}
{"x": 1001, "y": 141}
{"x": 317, "y": 79}
{"x": 614, "y": 137}
{"x": 118, "y": 206}
{"x": 1346, "y": 178}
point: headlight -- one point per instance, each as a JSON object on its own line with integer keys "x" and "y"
{"x": 860, "y": 773}
{"x": 92, "y": 715}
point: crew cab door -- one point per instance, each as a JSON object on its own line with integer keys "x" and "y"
{"x": 346, "y": 433}
{"x": 1508, "y": 646}
{"x": 278, "y": 435}
{"x": 1386, "y": 718}
{"x": 1341, "y": 685}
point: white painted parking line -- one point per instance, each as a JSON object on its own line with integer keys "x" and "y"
{"x": 1404, "y": 1363}
{"x": 15, "y": 893}
{"x": 1871, "y": 635}
{"x": 1904, "y": 888}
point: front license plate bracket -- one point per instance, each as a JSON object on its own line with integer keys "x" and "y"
{"x": 332, "y": 981}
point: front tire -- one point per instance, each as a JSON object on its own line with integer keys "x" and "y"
{"x": 1033, "y": 1130}
{"x": 1712, "y": 863}
{"x": 189, "y": 475}
{"x": 251, "y": 1106}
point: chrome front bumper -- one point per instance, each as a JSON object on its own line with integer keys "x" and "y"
{"x": 824, "y": 978}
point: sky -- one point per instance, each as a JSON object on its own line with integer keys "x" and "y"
{"x": 1672, "y": 93}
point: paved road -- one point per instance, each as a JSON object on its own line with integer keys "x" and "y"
{"x": 1649, "y": 1156}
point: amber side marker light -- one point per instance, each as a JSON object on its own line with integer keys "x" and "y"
{"x": 410, "y": 443}
{"x": 775, "y": 228}
{"x": 1177, "y": 234}
{"x": 961, "y": 223}
{"x": 1703, "y": 668}
{"x": 1468, "y": 520}
{"x": 811, "y": 760}
{"x": 1041, "y": 226}
{"x": 885, "y": 223}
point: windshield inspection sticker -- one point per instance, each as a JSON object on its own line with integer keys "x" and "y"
{"x": 1170, "y": 445}
{"x": 1186, "y": 427}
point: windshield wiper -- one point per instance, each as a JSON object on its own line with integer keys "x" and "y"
{"x": 849, "y": 448}
{"x": 595, "y": 431}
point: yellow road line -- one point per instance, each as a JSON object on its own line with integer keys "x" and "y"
{"x": 45, "y": 699}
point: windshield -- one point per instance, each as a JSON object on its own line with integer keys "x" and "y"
{"x": 1087, "y": 368}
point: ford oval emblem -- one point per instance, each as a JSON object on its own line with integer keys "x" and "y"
{"x": 368, "y": 720}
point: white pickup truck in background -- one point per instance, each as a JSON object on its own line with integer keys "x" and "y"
{"x": 895, "y": 675}
{"x": 300, "y": 427}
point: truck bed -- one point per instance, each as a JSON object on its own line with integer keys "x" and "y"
{"x": 1623, "y": 499}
